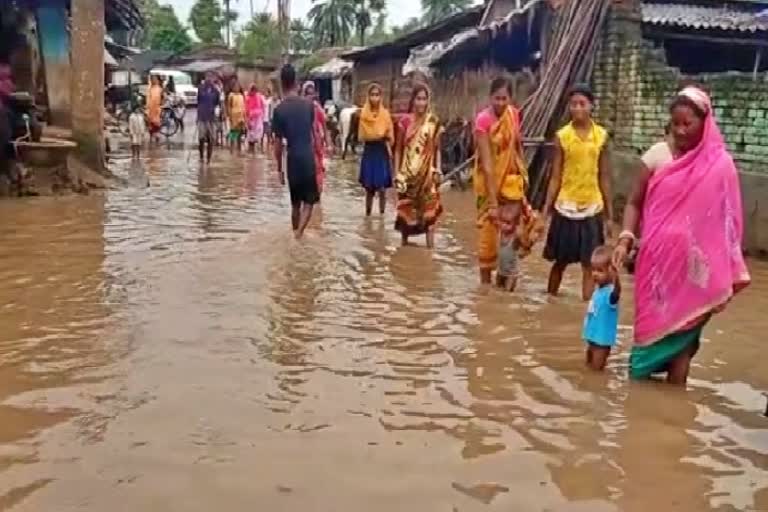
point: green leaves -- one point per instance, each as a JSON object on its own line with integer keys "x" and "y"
{"x": 207, "y": 20}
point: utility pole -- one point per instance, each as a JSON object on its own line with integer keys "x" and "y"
{"x": 283, "y": 21}
{"x": 227, "y": 21}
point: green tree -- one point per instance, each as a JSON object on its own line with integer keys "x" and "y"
{"x": 437, "y": 10}
{"x": 380, "y": 34}
{"x": 260, "y": 37}
{"x": 412, "y": 25}
{"x": 332, "y": 21}
{"x": 166, "y": 32}
{"x": 207, "y": 20}
{"x": 302, "y": 38}
{"x": 363, "y": 18}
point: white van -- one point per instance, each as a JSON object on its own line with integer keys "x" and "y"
{"x": 183, "y": 82}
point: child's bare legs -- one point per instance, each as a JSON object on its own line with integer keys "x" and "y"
{"x": 555, "y": 278}
{"x": 403, "y": 239}
{"x": 295, "y": 216}
{"x": 485, "y": 275}
{"x": 507, "y": 283}
{"x": 587, "y": 283}
{"x": 597, "y": 356}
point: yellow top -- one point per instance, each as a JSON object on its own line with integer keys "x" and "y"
{"x": 580, "y": 187}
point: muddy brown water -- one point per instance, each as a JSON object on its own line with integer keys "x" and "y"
{"x": 167, "y": 346}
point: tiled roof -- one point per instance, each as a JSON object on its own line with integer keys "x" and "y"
{"x": 701, "y": 17}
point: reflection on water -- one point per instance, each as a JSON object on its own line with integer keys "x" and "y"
{"x": 169, "y": 346}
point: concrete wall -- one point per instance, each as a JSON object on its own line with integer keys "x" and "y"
{"x": 88, "y": 81}
{"x": 634, "y": 86}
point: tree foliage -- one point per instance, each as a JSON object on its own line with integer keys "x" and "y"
{"x": 302, "y": 37}
{"x": 332, "y": 21}
{"x": 260, "y": 37}
{"x": 167, "y": 33}
{"x": 437, "y": 10}
{"x": 364, "y": 9}
{"x": 163, "y": 30}
{"x": 207, "y": 20}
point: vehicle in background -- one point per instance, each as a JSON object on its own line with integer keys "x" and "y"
{"x": 185, "y": 89}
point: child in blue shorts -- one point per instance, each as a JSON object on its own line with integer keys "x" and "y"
{"x": 602, "y": 320}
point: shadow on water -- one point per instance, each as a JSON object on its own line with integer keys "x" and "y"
{"x": 169, "y": 346}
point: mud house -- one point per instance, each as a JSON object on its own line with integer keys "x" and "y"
{"x": 644, "y": 52}
{"x": 57, "y": 54}
{"x": 384, "y": 63}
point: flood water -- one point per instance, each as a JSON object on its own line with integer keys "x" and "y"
{"x": 168, "y": 346}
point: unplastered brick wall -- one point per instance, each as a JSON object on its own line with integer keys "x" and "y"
{"x": 634, "y": 86}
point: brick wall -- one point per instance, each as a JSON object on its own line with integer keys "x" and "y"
{"x": 634, "y": 86}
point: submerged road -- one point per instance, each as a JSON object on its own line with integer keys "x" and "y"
{"x": 168, "y": 346}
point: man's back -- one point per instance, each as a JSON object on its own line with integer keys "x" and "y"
{"x": 292, "y": 121}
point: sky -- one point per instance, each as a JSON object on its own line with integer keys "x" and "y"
{"x": 398, "y": 11}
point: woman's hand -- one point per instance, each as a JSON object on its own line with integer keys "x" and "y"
{"x": 620, "y": 254}
{"x": 493, "y": 214}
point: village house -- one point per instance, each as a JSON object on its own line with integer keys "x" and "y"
{"x": 57, "y": 54}
{"x": 224, "y": 61}
{"x": 645, "y": 51}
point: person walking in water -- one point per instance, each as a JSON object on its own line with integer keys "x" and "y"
{"x": 417, "y": 169}
{"x": 602, "y": 319}
{"x": 236, "y": 117}
{"x": 690, "y": 262}
{"x": 208, "y": 101}
{"x": 500, "y": 180}
{"x": 254, "y": 106}
{"x": 155, "y": 96}
{"x": 294, "y": 122}
{"x": 579, "y": 201}
{"x": 377, "y": 133}
{"x": 319, "y": 134}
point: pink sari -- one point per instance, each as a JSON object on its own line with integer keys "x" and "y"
{"x": 254, "y": 110}
{"x": 690, "y": 261}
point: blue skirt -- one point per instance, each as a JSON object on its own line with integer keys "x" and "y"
{"x": 375, "y": 166}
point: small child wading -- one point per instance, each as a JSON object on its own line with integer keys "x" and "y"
{"x": 602, "y": 320}
{"x": 507, "y": 271}
{"x": 138, "y": 129}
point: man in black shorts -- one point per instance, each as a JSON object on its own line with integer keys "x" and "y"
{"x": 292, "y": 121}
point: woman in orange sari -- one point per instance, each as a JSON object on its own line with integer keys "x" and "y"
{"x": 417, "y": 169}
{"x": 154, "y": 105}
{"x": 500, "y": 180}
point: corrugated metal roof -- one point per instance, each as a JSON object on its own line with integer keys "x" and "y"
{"x": 702, "y": 17}
{"x": 331, "y": 69}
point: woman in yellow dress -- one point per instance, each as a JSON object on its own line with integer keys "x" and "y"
{"x": 236, "y": 117}
{"x": 154, "y": 106}
{"x": 500, "y": 178}
{"x": 579, "y": 196}
{"x": 417, "y": 169}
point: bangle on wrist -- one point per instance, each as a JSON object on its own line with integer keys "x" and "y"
{"x": 627, "y": 235}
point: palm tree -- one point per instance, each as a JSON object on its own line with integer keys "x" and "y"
{"x": 437, "y": 10}
{"x": 363, "y": 10}
{"x": 332, "y": 21}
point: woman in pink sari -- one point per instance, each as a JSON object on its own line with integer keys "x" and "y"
{"x": 687, "y": 204}
{"x": 318, "y": 134}
{"x": 254, "y": 111}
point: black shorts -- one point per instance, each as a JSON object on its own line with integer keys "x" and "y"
{"x": 303, "y": 189}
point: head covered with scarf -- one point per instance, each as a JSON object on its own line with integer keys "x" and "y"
{"x": 375, "y": 121}
{"x": 690, "y": 261}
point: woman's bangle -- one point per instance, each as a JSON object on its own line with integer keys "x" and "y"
{"x": 627, "y": 234}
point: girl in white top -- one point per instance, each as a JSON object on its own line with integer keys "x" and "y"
{"x": 137, "y": 127}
